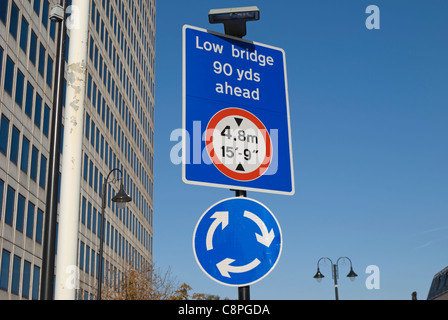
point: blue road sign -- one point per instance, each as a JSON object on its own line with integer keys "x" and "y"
{"x": 237, "y": 242}
{"x": 235, "y": 114}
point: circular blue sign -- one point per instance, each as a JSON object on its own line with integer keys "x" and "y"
{"x": 237, "y": 242}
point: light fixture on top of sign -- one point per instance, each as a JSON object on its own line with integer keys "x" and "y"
{"x": 234, "y": 19}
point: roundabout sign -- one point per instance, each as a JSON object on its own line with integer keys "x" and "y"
{"x": 237, "y": 242}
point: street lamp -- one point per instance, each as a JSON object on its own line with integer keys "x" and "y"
{"x": 121, "y": 198}
{"x": 319, "y": 276}
{"x": 234, "y": 19}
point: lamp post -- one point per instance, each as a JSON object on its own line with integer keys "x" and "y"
{"x": 334, "y": 267}
{"x": 121, "y": 198}
{"x": 57, "y": 15}
{"x": 234, "y": 20}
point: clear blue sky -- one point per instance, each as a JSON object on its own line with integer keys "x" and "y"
{"x": 369, "y": 116}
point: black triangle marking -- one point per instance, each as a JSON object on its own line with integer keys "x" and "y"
{"x": 238, "y": 121}
{"x": 240, "y": 168}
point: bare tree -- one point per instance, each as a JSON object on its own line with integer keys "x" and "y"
{"x": 149, "y": 284}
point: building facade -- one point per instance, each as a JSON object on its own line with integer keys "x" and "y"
{"x": 118, "y": 133}
{"x": 439, "y": 286}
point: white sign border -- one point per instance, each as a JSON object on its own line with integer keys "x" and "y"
{"x": 184, "y": 102}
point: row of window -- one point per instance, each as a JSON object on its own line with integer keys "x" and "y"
{"x": 25, "y": 215}
{"x": 94, "y": 178}
{"x": 93, "y": 134}
{"x": 20, "y": 210}
{"x": 114, "y": 93}
{"x": 114, "y": 56}
{"x": 92, "y": 175}
{"x": 133, "y": 36}
{"x": 28, "y": 40}
{"x": 88, "y": 258}
{"x": 91, "y": 218}
{"x": 29, "y": 154}
{"x": 19, "y": 275}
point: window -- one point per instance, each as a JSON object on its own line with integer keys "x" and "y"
{"x": 45, "y": 14}
{"x": 37, "y": 6}
{"x": 41, "y": 66}
{"x": 91, "y": 173}
{"x": 83, "y": 209}
{"x": 4, "y": 132}
{"x": 1, "y": 196}
{"x": 25, "y": 154}
{"x": 89, "y": 214}
{"x": 3, "y": 11}
{"x": 1, "y": 59}
{"x": 43, "y": 171}
{"x": 49, "y": 70}
{"x": 52, "y": 29}
{"x": 14, "y": 152}
{"x": 34, "y": 160}
{"x": 86, "y": 161}
{"x": 87, "y": 259}
{"x": 33, "y": 47}
{"x": 20, "y": 212}
{"x": 38, "y": 110}
{"x": 14, "y": 20}
{"x": 9, "y": 209}
{"x": 26, "y": 280}
{"x": 39, "y": 220}
{"x": 87, "y": 126}
{"x": 9, "y": 76}
{"x": 17, "y": 263}
{"x": 19, "y": 88}
{"x": 36, "y": 277}
{"x": 81, "y": 256}
{"x": 46, "y": 124}
{"x": 4, "y": 271}
{"x": 92, "y": 134}
{"x": 30, "y": 220}
{"x": 29, "y": 100}
{"x": 94, "y": 220}
{"x": 24, "y": 34}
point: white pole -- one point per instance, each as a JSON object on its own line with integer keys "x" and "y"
{"x": 66, "y": 268}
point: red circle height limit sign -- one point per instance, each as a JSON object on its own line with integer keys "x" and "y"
{"x": 238, "y": 144}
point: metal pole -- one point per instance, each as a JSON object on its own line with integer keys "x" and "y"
{"x": 243, "y": 292}
{"x": 66, "y": 260}
{"x": 100, "y": 267}
{"x": 335, "y": 276}
{"x": 100, "y": 252}
{"x": 49, "y": 244}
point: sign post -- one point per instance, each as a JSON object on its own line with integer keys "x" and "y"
{"x": 236, "y": 90}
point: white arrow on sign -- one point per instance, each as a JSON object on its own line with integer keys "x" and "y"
{"x": 266, "y": 237}
{"x": 224, "y": 267}
{"x": 220, "y": 217}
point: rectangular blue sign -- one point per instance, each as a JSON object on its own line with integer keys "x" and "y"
{"x": 236, "y": 127}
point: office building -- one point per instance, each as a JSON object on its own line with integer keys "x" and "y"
{"x": 119, "y": 133}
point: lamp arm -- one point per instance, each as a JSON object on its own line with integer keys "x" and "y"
{"x": 111, "y": 171}
{"x": 344, "y": 257}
